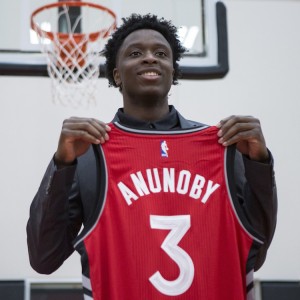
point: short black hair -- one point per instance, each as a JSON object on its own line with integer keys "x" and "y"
{"x": 135, "y": 22}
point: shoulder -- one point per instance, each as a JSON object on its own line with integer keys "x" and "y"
{"x": 185, "y": 123}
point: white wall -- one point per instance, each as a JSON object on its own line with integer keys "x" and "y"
{"x": 264, "y": 46}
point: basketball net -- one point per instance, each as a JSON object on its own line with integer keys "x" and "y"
{"x": 73, "y": 57}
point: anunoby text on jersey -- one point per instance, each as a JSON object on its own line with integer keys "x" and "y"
{"x": 166, "y": 180}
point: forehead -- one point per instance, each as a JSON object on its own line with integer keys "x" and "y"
{"x": 145, "y": 37}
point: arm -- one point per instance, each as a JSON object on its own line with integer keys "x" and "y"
{"x": 256, "y": 192}
{"x": 55, "y": 219}
{"x": 256, "y": 188}
{"x": 55, "y": 213}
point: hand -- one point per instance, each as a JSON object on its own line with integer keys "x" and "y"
{"x": 246, "y": 132}
{"x": 77, "y": 135}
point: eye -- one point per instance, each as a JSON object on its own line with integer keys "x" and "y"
{"x": 135, "y": 53}
{"x": 161, "y": 53}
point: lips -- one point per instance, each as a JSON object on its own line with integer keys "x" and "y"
{"x": 149, "y": 73}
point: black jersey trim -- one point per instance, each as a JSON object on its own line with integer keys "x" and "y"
{"x": 249, "y": 281}
{"x": 101, "y": 191}
{"x": 231, "y": 188}
{"x": 87, "y": 293}
{"x": 252, "y": 256}
{"x": 158, "y": 132}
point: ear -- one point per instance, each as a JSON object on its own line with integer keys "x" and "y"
{"x": 117, "y": 77}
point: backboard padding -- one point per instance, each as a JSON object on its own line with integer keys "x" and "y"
{"x": 208, "y": 59}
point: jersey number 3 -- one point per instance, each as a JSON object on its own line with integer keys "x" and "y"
{"x": 179, "y": 225}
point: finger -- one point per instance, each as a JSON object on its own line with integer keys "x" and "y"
{"x": 234, "y": 119}
{"x": 92, "y": 127}
{"x": 102, "y": 127}
{"x": 236, "y": 123}
{"x": 236, "y": 137}
{"x": 94, "y": 122}
{"x": 238, "y": 132}
{"x": 79, "y": 134}
{"x": 238, "y": 128}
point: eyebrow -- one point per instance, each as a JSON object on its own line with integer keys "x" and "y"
{"x": 140, "y": 45}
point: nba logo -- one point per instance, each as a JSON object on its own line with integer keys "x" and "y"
{"x": 164, "y": 149}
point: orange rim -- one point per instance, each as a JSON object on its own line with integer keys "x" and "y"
{"x": 77, "y": 36}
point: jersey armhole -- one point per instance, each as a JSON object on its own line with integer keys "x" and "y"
{"x": 101, "y": 187}
{"x": 229, "y": 159}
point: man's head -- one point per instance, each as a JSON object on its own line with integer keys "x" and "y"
{"x": 136, "y": 22}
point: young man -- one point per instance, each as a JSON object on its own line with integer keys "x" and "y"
{"x": 160, "y": 217}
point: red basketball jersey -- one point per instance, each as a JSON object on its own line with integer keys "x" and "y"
{"x": 169, "y": 226}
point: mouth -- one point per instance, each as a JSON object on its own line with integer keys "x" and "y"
{"x": 150, "y": 74}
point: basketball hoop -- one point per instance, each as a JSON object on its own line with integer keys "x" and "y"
{"x": 73, "y": 43}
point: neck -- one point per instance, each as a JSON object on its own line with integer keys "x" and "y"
{"x": 147, "y": 113}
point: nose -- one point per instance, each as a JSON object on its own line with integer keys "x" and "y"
{"x": 150, "y": 57}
